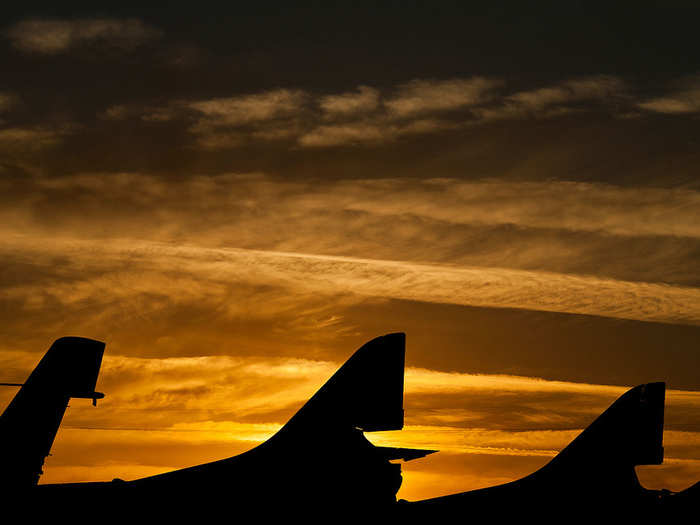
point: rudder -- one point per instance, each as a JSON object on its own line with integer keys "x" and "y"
{"x": 30, "y": 422}
{"x": 365, "y": 393}
{"x": 629, "y": 433}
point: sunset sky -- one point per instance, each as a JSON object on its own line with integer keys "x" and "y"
{"x": 235, "y": 199}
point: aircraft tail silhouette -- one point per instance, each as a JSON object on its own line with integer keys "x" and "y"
{"x": 596, "y": 473}
{"x": 365, "y": 393}
{"x": 29, "y": 424}
{"x": 627, "y": 434}
{"x": 320, "y": 455}
{"x": 597, "y": 468}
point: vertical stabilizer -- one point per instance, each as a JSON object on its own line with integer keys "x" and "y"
{"x": 30, "y": 422}
{"x": 594, "y": 475}
{"x": 627, "y": 434}
{"x": 365, "y": 393}
{"x": 321, "y": 455}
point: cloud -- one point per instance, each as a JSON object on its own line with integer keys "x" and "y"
{"x": 234, "y": 111}
{"x": 424, "y": 96}
{"x": 363, "y": 116}
{"x": 54, "y": 36}
{"x": 372, "y": 116}
{"x": 570, "y": 205}
{"x": 228, "y": 122}
{"x": 629, "y": 234}
{"x": 556, "y": 100}
{"x": 117, "y": 112}
{"x": 587, "y": 88}
{"x": 336, "y": 135}
{"x": 25, "y": 138}
{"x": 363, "y": 100}
{"x": 369, "y": 132}
{"x": 688, "y": 102}
{"x": 206, "y": 274}
{"x": 678, "y": 102}
{"x": 567, "y": 205}
{"x": 369, "y": 116}
{"x": 146, "y": 114}
{"x": 425, "y": 381}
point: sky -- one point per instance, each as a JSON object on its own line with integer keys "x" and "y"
{"x": 236, "y": 198}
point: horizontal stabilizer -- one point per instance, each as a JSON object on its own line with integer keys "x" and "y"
{"x": 407, "y": 454}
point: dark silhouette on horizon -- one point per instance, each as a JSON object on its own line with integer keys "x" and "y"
{"x": 595, "y": 473}
{"x": 593, "y": 478}
{"x": 320, "y": 460}
{"x": 28, "y": 426}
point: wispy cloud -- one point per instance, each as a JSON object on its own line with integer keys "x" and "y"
{"x": 26, "y": 138}
{"x": 373, "y": 116}
{"x": 558, "y": 99}
{"x": 573, "y": 206}
{"x": 629, "y": 234}
{"x": 54, "y": 36}
{"x": 339, "y": 134}
{"x": 363, "y": 100}
{"x": 227, "y": 122}
{"x": 212, "y": 271}
{"x": 681, "y": 100}
{"x": 370, "y": 115}
{"x": 370, "y": 132}
{"x": 414, "y": 108}
{"x": 423, "y": 96}
{"x": 235, "y": 111}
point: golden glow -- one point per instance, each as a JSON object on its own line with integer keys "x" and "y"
{"x": 165, "y": 413}
{"x": 234, "y": 220}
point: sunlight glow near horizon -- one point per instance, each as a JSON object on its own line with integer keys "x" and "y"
{"x": 103, "y": 437}
{"x": 235, "y": 220}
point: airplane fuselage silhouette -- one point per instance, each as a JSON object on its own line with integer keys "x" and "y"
{"x": 321, "y": 461}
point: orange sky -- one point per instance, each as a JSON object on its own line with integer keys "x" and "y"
{"x": 170, "y": 412}
{"x": 236, "y": 201}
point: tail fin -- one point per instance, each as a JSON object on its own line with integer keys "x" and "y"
{"x": 30, "y": 422}
{"x": 365, "y": 393}
{"x": 321, "y": 457}
{"x": 627, "y": 434}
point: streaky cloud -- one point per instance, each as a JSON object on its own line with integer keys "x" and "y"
{"x": 363, "y": 100}
{"x": 54, "y": 36}
{"x": 423, "y": 96}
{"x": 336, "y": 275}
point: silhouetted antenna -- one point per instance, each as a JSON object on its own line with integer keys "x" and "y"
{"x": 11, "y": 384}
